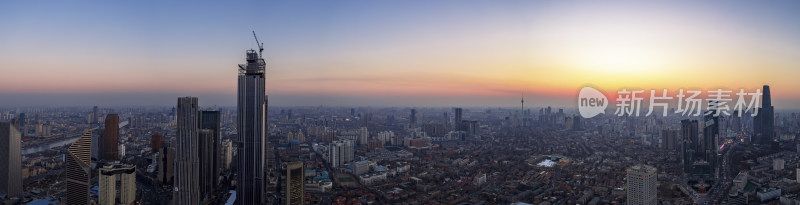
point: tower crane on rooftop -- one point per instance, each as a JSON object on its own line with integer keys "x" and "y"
{"x": 259, "y": 44}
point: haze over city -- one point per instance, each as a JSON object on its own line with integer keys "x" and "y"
{"x": 400, "y": 102}
{"x": 419, "y": 53}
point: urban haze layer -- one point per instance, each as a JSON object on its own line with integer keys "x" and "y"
{"x": 259, "y": 154}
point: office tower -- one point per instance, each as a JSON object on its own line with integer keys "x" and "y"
{"x": 642, "y": 185}
{"x": 23, "y": 125}
{"x": 89, "y": 119}
{"x": 209, "y": 151}
{"x": 413, "y": 118}
{"x": 78, "y": 160}
{"x": 94, "y": 116}
{"x": 166, "y": 162}
{"x": 110, "y": 138}
{"x": 186, "y": 153}
{"x": 711, "y": 139}
{"x": 363, "y": 135}
{"x": 689, "y": 135}
{"x": 10, "y": 160}
{"x": 97, "y": 145}
{"x": 669, "y": 139}
{"x": 207, "y": 178}
{"x": 251, "y": 142}
{"x": 735, "y": 122}
{"x": 764, "y": 122}
{"x": 227, "y": 154}
{"x": 156, "y": 142}
{"x": 108, "y": 184}
{"x": 294, "y": 183}
{"x": 456, "y": 119}
{"x": 576, "y": 124}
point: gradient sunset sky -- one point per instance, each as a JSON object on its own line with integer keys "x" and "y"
{"x": 392, "y": 53}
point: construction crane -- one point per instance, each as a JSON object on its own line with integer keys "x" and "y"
{"x": 260, "y": 45}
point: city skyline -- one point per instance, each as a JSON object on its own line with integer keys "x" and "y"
{"x": 445, "y": 53}
{"x": 400, "y": 102}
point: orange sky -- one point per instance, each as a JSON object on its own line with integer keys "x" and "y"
{"x": 488, "y": 52}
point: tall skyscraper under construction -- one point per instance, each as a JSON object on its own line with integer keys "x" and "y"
{"x": 251, "y": 125}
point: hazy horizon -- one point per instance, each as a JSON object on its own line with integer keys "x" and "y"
{"x": 354, "y": 53}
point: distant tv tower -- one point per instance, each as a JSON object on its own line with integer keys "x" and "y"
{"x": 522, "y": 101}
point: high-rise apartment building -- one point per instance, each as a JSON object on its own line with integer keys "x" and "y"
{"x": 363, "y": 135}
{"x": 294, "y": 183}
{"x": 341, "y": 152}
{"x": 108, "y": 184}
{"x": 641, "y": 186}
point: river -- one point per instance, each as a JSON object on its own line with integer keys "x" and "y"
{"x": 41, "y": 148}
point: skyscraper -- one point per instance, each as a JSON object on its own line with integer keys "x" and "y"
{"x": 413, "y": 118}
{"x": 23, "y": 125}
{"x": 341, "y": 152}
{"x": 10, "y": 160}
{"x": 111, "y": 138}
{"x": 207, "y": 178}
{"x": 166, "y": 165}
{"x": 669, "y": 139}
{"x": 457, "y": 119}
{"x": 227, "y": 154}
{"x": 156, "y": 142}
{"x": 362, "y": 136}
{"x": 764, "y": 122}
{"x": 711, "y": 139}
{"x": 642, "y": 185}
{"x": 251, "y": 109}
{"x": 294, "y": 183}
{"x": 108, "y": 184}
{"x": 689, "y": 135}
{"x": 209, "y": 151}
{"x": 187, "y": 175}
{"x": 94, "y": 117}
{"x": 78, "y": 160}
